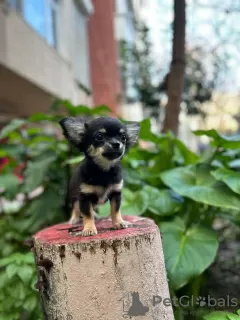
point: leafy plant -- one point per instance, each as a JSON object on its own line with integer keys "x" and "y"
{"x": 183, "y": 192}
{"x": 218, "y": 315}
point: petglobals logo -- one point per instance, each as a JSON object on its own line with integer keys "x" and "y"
{"x": 134, "y": 306}
{"x": 191, "y": 301}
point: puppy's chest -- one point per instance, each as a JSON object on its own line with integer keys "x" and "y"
{"x": 101, "y": 191}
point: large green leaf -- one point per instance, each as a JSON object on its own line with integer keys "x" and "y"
{"x": 188, "y": 252}
{"x": 197, "y": 183}
{"x": 12, "y": 126}
{"x": 220, "y": 140}
{"x": 161, "y": 202}
{"x": 231, "y": 178}
{"x": 36, "y": 171}
{"x": 134, "y": 203}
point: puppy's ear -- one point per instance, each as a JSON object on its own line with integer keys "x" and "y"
{"x": 133, "y": 129}
{"x": 74, "y": 129}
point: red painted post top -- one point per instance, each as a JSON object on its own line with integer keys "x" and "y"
{"x": 64, "y": 233}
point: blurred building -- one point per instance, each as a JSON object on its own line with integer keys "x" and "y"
{"x": 129, "y": 13}
{"x": 67, "y": 49}
{"x": 43, "y": 54}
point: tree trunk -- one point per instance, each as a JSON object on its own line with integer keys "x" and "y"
{"x": 115, "y": 274}
{"x": 175, "y": 85}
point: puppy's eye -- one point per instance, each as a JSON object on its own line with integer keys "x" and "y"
{"x": 123, "y": 137}
{"x": 99, "y": 136}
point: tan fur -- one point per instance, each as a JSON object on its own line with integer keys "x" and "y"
{"x": 89, "y": 227}
{"x": 99, "y": 159}
{"x": 101, "y": 191}
{"x": 102, "y": 130}
{"x": 117, "y": 220}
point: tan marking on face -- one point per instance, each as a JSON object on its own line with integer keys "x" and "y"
{"x": 99, "y": 159}
{"x": 95, "y": 152}
{"x": 102, "y": 130}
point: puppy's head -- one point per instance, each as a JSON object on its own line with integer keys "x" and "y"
{"x": 104, "y": 140}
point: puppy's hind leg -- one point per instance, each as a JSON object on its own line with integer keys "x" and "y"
{"x": 75, "y": 217}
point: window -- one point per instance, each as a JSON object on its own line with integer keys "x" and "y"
{"x": 41, "y": 15}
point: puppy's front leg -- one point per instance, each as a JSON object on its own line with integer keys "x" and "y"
{"x": 117, "y": 220}
{"x": 87, "y": 212}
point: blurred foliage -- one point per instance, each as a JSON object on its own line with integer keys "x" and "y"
{"x": 182, "y": 191}
{"x": 138, "y": 70}
{"x": 197, "y": 89}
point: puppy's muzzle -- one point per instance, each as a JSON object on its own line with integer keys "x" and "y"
{"x": 113, "y": 150}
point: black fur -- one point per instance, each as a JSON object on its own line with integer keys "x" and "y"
{"x": 104, "y": 142}
{"x": 117, "y": 197}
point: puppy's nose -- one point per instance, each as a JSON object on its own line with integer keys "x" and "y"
{"x": 115, "y": 145}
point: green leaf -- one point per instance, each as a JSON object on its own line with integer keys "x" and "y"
{"x": 220, "y": 140}
{"x": 220, "y": 315}
{"x": 134, "y": 203}
{"x": 188, "y": 252}
{"x": 161, "y": 202}
{"x": 188, "y": 156}
{"x": 101, "y": 110}
{"x": 42, "y": 117}
{"x": 231, "y": 178}
{"x": 73, "y": 160}
{"x": 11, "y": 270}
{"x": 197, "y": 183}
{"x": 36, "y": 171}
{"x": 25, "y": 273}
{"x": 12, "y": 126}
{"x": 146, "y": 133}
{"x": 132, "y": 177}
{"x": 9, "y": 182}
{"x": 30, "y": 303}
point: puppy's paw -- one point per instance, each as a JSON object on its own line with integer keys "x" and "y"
{"x": 121, "y": 224}
{"x": 86, "y": 232}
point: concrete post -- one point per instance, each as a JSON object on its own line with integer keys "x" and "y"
{"x": 114, "y": 275}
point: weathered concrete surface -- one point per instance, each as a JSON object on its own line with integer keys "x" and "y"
{"x": 110, "y": 276}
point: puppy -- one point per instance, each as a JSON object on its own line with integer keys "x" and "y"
{"x": 98, "y": 178}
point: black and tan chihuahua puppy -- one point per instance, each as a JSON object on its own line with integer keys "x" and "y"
{"x": 98, "y": 178}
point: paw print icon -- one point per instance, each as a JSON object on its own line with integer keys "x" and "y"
{"x": 201, "y": 301}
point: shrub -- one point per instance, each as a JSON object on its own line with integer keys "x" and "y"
{"x": 182, "y": 191}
